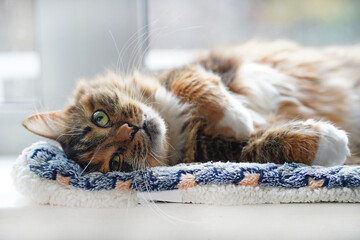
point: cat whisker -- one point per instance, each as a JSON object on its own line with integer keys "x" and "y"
{"x": 155, "y": 33}
{"x": 144, "y": 52}
{"x": 92, "y": 159}
{"x": 147, "y": 99}
{"x": 152, "y": 103}
{"x": 93, "y": 169}
{"x": 142, "y": 95}
{"x": 117, "y": 50}
{"x": 126, "y": 46}
{"x": 159, "y": 161}
{"x": 141, "y": 41}
{"x": 131, "y": 41}
{"x": 167, "y": 142}
{"x": 68, "y": 134}
{"x": 150, "y": 202}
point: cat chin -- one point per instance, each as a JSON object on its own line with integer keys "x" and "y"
{"x": 154, "y": 126}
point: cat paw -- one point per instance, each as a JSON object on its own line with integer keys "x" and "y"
{"x": 333, "y": 145}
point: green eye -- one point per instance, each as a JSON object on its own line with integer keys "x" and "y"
{"x": 115, "y": 162}
{"x": 100, "y": 118}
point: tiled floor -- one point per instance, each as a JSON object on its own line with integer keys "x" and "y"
{"x": 22, "y": 219}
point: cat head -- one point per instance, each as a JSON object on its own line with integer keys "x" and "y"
{"x": 108, "y": 125}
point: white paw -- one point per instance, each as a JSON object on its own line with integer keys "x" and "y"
{"x": 333, "y": 145}
{"x": 238, "y": 118}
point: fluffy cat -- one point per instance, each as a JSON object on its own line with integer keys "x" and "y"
{"x": 257, "y": 102}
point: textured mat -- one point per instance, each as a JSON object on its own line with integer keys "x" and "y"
{"x": 43, "y": 173}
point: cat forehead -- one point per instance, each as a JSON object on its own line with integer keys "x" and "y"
{"x": 108, "y": 92}
{"x": 113, "y": 102}
{"x": 102, "y": 89}
{"x": 99, "y": 94}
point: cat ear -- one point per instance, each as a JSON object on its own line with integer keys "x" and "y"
{"x": 47, "y": 124}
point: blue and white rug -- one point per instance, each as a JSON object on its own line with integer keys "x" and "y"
{"x": 43, "y": 173}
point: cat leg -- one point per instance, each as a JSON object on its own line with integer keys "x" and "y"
{"x": 310, "y": 142}
{"x": 223, "y": 113}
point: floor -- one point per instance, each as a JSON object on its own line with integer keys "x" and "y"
{"x": 22, "y": 219}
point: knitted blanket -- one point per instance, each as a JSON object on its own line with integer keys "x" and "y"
{"x": 43, "y": 173}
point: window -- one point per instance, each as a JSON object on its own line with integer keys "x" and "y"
{"x": 20, "y": 63}
{"x": 47, "y": 45}
{"x": 180, "y": 27}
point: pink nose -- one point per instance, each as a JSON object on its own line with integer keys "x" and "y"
{"x": 126, "y": 132}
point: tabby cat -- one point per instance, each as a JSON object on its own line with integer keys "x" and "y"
{"x": 257, "y": 102}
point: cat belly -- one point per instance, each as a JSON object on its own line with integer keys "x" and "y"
{"x": 217, "y": 149}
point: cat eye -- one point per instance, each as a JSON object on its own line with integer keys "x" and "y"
{"x": 101, "y": 119}
{"x": 116, "y": 162}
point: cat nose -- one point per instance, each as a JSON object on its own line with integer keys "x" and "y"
{"x": 126, "y": 132}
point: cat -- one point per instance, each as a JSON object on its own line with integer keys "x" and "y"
{"x": 256, "y": 102}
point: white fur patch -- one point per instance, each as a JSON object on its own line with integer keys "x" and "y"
{"x": 260, "y": 81}
{"x": 157, "y": 145}
{"x": 333, "y": 146}
{"x": 172, "y": 110}
{"x": 238, "y": 118}
{"x": 266, "y": 89}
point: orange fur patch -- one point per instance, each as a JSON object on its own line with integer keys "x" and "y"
{"x": 201, "y": 89}
{"x": 289, "y": 142}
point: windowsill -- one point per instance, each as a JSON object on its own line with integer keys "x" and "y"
{"x": 9, "y": 197}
